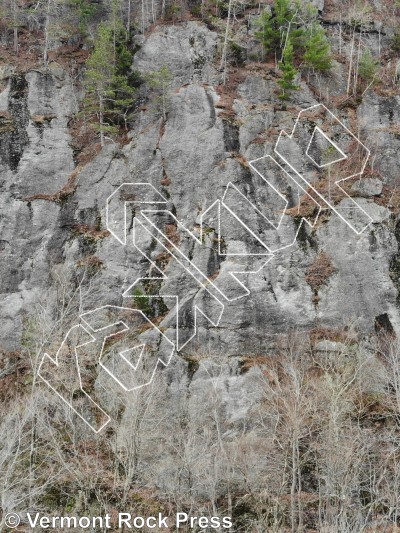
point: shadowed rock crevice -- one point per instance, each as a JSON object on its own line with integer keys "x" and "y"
{"x": 383, "y": 325}
{"x": 14, "y": 136}
{"x": 231, "y": 136}
{"x": 394, "y": 267}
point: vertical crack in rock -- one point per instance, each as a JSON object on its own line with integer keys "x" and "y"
{"x": 213, "y": 114}
{"x": 394, "y": 266}
{"x": 55, "y": 246}
{"x": 231, "y": 135}
{"x": 14, "y": 136}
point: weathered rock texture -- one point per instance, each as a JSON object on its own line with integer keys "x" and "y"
{"x": 190, "y": 159}
{"x": 52, "y": 245}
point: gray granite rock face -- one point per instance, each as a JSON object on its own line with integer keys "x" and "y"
{"x": 190, "y": 158}
{"x": 36, "y": 158}
{"x": 187, "y": 50}
{"x": 368, "y": 187}
{"x": 196, "y": 150}
{"x": 377, "y": 117}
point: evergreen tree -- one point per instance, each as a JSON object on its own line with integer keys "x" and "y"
{"x": 317, "y": 50}
{"x": 288, "y": 19}
{"x": 108, "y": 94}
{"x": 160, "y": 83}
{"x": 289, "y": 71}
{"x": 274, "y": 27}
{"x": 124, "y": 57}
{"x": 304, "y": 16}
{"x": 84, "y": 10}
{"x": 368, "y": 66}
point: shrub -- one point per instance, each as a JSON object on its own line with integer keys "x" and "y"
{"x": 396, "y": 42}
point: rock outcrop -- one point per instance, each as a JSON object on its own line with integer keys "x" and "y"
{"x": 59, "y": 259}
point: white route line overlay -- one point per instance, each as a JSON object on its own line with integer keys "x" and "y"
{"x": 330, "y": 141}
{"x": 283, "y": 134}
{"x": 55, "y": 361}
{"x": 75, "y": 361}
{"x": 151, "y": 201}
{"x": 277, "y": 227}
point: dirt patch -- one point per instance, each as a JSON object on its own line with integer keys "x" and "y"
{"x": 228, "y": 92}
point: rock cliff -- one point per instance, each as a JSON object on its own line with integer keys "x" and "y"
{"x": 59, "y": 260}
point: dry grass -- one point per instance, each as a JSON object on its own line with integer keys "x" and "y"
{"x": 241, "y": 160}
{"x": 248, "y": 361}
{"x": 305, "y": 209}
{"x": 342, "y": 335}
{"x": 6, "y": 122}
{"x": 319, "y": 272}
{"x": 228, "y": 92}
{"x": 16, "y": 375}
{"x": 165, "y": 181}
{"x": 389, "y": 198}
{"x": 29, "y": 55}
{"x": 90, "y": 231}
{"x": 326, "y": 187}
{"x": 393, "y": 129}
{"x": 43, "y": 119}
{"x": 62, "y": 194}
{"x": 91, "y": 261}
{"x": 84, "y": 142}
{"x": 171, "y": 231}
{"x": 69, "y": 57}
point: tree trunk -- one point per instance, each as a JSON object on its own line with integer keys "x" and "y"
{"x": 101, "y": 116}
{"x": 351, "y": 64}
{"x": 128, "y": 22}
{"x": 46, "y": 34}
{"x": 223, "y": 57}
{"x": 15, "y": 25}
{"x": 293, "y": 488}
